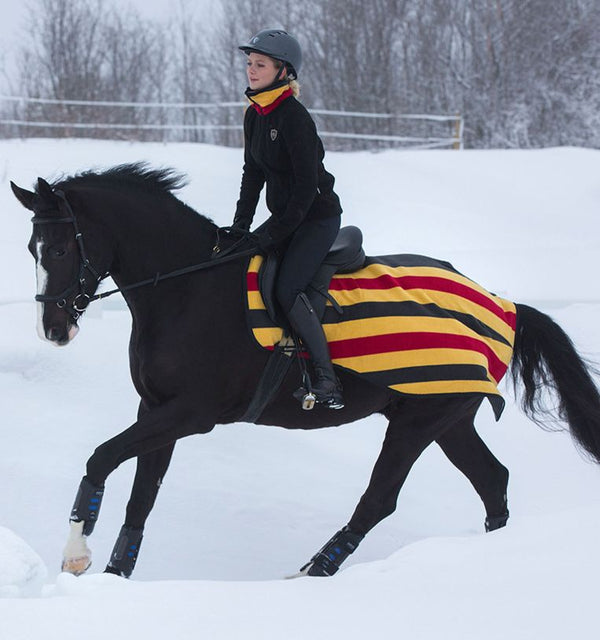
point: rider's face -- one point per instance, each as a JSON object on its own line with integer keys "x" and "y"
{"x": 261, "y": 71}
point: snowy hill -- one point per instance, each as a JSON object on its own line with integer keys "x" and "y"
{"x": 244, "y": 506}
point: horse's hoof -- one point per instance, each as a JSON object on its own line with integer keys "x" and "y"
{"x": 496, "y": 522}
{"x": 301, "y": 574}
{"x": 76, "y": 566}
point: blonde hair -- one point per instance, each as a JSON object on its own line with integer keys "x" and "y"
{"x": 295, "y": 87}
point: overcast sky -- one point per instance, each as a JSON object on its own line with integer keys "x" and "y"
{"x": 15, "y": 11}
{"x": 13, "y": 14}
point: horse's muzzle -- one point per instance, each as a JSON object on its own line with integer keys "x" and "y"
{"x": 61, "y": 336}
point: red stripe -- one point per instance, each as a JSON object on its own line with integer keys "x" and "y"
{"x": 252, "y": 281}
{"x": 267, "y": 109}
{"x": 355, "y": 347}
{"x": 388, "y": 282}
{"x": 432, "y": 283}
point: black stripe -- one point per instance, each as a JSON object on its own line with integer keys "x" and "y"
{"x": 409, "y": 308}
{"x": 431, "y": 373}
{"x": 259, "y": 318}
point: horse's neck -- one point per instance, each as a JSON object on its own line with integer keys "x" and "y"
{"x": 158, "y": 239}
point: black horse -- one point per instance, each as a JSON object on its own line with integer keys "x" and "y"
{"x": 195, "y": 365}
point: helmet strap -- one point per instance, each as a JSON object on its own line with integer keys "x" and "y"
{"x": 282, "y": 69}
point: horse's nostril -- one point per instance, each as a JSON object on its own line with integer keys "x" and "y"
{"x": 55, "y": 334}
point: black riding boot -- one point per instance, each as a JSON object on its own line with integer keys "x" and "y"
{"x": 326, "y": 387}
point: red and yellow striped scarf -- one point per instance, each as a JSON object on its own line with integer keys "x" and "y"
{"x": 267, "y": 101}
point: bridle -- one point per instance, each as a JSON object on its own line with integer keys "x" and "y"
{"x": 81, "y": 299}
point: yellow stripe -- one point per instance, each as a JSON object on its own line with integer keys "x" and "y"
{"x": 377, "y": 270}
{"x": 255, "y": 263}
{"x": 447, "y": 386}
{"x": 267, "y": 336}
{"x": 255, "y": 301}
{"x": 414, "y": 358}
{"x": 265, "y": 98}
{"x": 448, "y": 301}
{"x": 366, "y": 327}
{"x": 356, "y": 329}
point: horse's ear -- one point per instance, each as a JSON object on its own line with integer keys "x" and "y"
{"x": 45, "y": 190}
{"x": 23, "y": 196}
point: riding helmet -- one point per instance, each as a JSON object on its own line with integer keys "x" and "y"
{"x": 277, "y": 44}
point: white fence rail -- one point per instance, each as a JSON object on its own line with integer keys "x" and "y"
{"x": 172, "y": 117}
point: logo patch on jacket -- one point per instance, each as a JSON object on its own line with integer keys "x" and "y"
{"x": 273, "y": 134}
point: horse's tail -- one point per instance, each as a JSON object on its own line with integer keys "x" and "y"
{"x": 545, "y": 359}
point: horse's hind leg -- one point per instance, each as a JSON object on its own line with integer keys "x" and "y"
{"x": 470, "y": 455}
{"x": 151, "y": 469}
{"x": 413, "y": 426}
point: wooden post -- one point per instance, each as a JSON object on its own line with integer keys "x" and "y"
{"x": 458, "y": 132}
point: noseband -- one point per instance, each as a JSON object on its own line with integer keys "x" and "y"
{"x": 81, "y": 299}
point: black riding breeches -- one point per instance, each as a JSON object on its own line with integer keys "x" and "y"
{"x": 302, "y": 258}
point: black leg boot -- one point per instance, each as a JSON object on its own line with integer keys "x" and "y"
{"x": 326, "y": 387}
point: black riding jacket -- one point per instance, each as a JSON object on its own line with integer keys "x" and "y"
{"x": 282, "y": 148}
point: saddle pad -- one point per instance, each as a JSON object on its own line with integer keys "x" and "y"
{"x": 411, "y": 323}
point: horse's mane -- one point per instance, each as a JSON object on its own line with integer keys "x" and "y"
{"x": 137, "y": 174}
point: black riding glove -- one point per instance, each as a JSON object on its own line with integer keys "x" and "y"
{"x": 242, "y": 223}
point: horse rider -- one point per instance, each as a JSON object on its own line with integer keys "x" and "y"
{"x": 283, "y": 150}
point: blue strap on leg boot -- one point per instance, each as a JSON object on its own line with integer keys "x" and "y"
{"x": 87, "y": 505}
{"x": 327, "y": 561}
{"x": 125, "y": 552}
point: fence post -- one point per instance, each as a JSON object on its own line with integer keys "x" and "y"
{"x": 458, "y": 133}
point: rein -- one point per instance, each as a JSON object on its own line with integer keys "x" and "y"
{"x": 81, "y": 300}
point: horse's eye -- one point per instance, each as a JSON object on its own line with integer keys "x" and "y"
{"x": 57, "y": 252}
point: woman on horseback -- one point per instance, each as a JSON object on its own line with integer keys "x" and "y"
{"x": 283, "y": 150}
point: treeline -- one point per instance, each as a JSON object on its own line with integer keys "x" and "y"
{"x": 522, "y": 73}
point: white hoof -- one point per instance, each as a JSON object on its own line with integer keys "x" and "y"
{"x": 77, "y": 557}
{"x": 76, "y": 566}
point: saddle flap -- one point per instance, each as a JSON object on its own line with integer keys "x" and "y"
{"x": 266, "y": 284}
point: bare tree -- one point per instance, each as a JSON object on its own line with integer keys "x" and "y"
{"x": 522, "y": 73}
{"x": 87, "y": 51}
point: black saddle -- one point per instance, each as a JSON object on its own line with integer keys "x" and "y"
{"x": 346, "y": 255}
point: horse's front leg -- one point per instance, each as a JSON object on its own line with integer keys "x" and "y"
{"x": 77, "y": 556}
{"x": 151, "y": 469}
{"x": 155, "y": 430}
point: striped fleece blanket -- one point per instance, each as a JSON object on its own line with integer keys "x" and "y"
{"x": 411, "y": 323}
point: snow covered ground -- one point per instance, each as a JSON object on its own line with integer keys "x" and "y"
{"x": 244, "y": 506}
